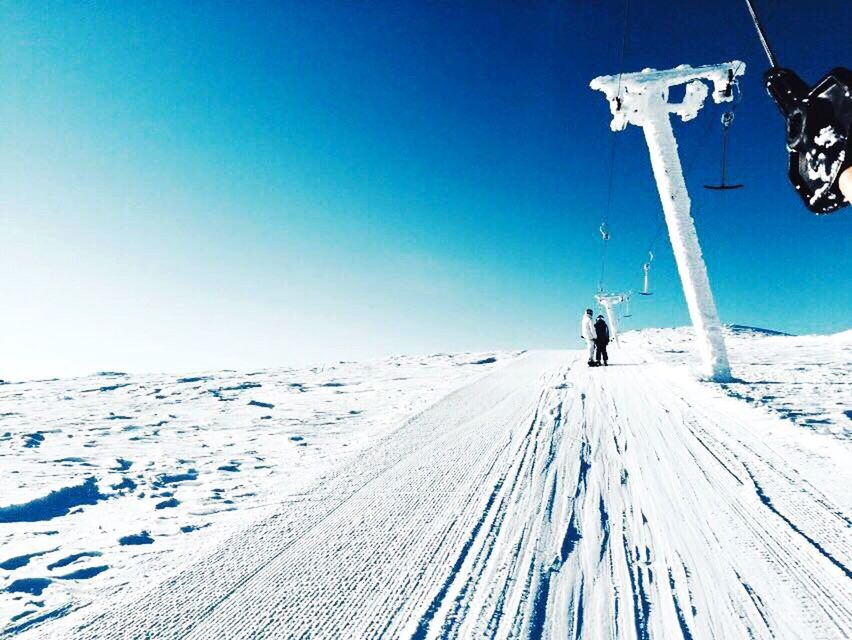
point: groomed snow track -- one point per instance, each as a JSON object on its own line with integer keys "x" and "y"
{"x": 543, "y": 501}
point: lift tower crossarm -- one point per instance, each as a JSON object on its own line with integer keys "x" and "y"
{"x": 629, "y": 94}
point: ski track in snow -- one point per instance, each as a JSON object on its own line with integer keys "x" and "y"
{"x": 543, "y": 500}
{"x": 111, "y": 481}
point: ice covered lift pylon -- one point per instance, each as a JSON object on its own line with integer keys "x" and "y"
{"x": 608, "y": 301}
{"x": 643, "y": 99}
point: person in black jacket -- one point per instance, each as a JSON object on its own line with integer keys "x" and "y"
{"x": 601, "y": 340}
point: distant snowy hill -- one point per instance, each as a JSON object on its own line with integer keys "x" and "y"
{"x": 742, "y": 330}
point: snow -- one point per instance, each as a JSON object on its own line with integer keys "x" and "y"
{"x": 827, "y": 137}
{"x": 495, "y": 495}
{"x": 642, "y": 99}
{"x": 803, "y": 379}
{"x": 632, "y": 96}
{"x": 130, "y": 471}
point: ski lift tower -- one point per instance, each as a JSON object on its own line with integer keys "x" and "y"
{"x": 643, "y": 99}
{"x": 608, "y": 301}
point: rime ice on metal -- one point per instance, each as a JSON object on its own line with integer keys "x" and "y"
{"x": 608, "y": 301}
{"x": 642, "y": 99}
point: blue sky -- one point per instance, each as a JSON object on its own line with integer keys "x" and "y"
{"x": 203, "y": 185}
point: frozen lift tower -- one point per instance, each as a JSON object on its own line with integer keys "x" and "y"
{"x": 608, "y": 301}
{"x": 643, "y": 99}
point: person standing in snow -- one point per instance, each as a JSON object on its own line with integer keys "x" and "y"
{"x": 601, "y": 340}
{"x": 587, "y": 333}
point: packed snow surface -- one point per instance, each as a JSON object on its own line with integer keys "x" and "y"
{"x": 488, "y": 495}
{"x": 804, "y": 379}
{"x": 133, "y": 474}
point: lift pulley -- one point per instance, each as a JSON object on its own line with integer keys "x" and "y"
{"x": 819, "y": 130}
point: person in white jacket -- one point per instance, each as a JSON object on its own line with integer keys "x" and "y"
{"x": 587, "y": 332}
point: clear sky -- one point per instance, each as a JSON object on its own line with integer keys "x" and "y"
{"x": 186, "y": 186}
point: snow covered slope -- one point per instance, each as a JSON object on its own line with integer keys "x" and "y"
{"x": 503, "y": 495}
{"x": 805, "y": 379}
{"x": 108, "y": 481}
